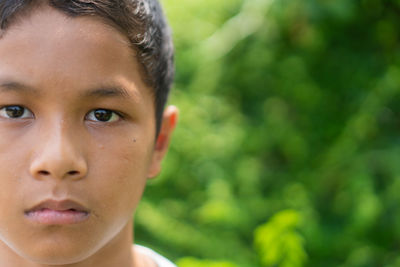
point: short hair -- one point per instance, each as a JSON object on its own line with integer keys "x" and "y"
{"x": 141, "y": 21}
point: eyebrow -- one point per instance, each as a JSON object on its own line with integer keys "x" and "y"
{"x": 107, "y": 91}
{"x": 15, "y": 86}
{"x": 98, "y": 92}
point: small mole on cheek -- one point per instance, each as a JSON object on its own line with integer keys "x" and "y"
{"x": 134, "y": 140}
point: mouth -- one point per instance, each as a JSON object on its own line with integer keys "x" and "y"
{"x": 55, "y": 212}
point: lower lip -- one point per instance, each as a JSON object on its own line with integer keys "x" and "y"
{"x": 57, "y": 217}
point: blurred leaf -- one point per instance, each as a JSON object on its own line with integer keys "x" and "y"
{"x": 192, "y": 262}
{"x": 278, "y": 242}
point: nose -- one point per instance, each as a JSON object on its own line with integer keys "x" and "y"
{"x": 58, "y": 155}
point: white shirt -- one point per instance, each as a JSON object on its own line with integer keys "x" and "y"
{"x": 157, "y": 258}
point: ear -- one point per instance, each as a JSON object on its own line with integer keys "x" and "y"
{"x": 169, "y": 120}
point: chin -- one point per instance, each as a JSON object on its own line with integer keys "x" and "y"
{"x": 57, "y": 251}
{"x": 58, "y": 255}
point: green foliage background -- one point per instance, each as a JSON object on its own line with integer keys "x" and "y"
{"x": 287, "y": 150}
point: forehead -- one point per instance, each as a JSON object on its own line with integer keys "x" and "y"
{"x": 47, "y": 41}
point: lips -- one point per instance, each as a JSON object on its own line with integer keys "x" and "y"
{"x": 54, "y": 212}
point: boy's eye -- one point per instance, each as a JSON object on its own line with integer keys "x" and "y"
{"x": 15, "y": 112}
{"x": 103, "y": 115}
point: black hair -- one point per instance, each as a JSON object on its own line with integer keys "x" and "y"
{"x": 141, "y": 21}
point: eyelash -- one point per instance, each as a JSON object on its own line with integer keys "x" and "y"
{"x": 4, "y": 113}
{"x": 113, "y": 113}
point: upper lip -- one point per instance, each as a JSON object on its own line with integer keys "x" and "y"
{"x": 59, "y": 205}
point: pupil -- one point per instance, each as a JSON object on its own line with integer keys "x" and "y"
{"x": 103, "y": 115}
{"x": 15, "y": 111}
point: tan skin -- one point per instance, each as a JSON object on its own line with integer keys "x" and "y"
{"x": 56, "y": 75}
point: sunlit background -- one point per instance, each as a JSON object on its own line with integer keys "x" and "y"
{"x": 287, "y": 151}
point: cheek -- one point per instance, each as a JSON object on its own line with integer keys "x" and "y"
{"x": 14, "y": 165}
{"x": 118, "y": 171}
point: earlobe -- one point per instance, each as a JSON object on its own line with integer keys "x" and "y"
{"x": 169, "y": 121}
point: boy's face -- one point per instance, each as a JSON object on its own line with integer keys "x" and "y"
{"x": 76, "y": 123}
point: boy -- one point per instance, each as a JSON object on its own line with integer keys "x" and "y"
{"x": 83, "y": 85}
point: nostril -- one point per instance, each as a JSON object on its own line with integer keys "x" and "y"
{"x": 73, "y": 172}
{"x": 44, "y": 173}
